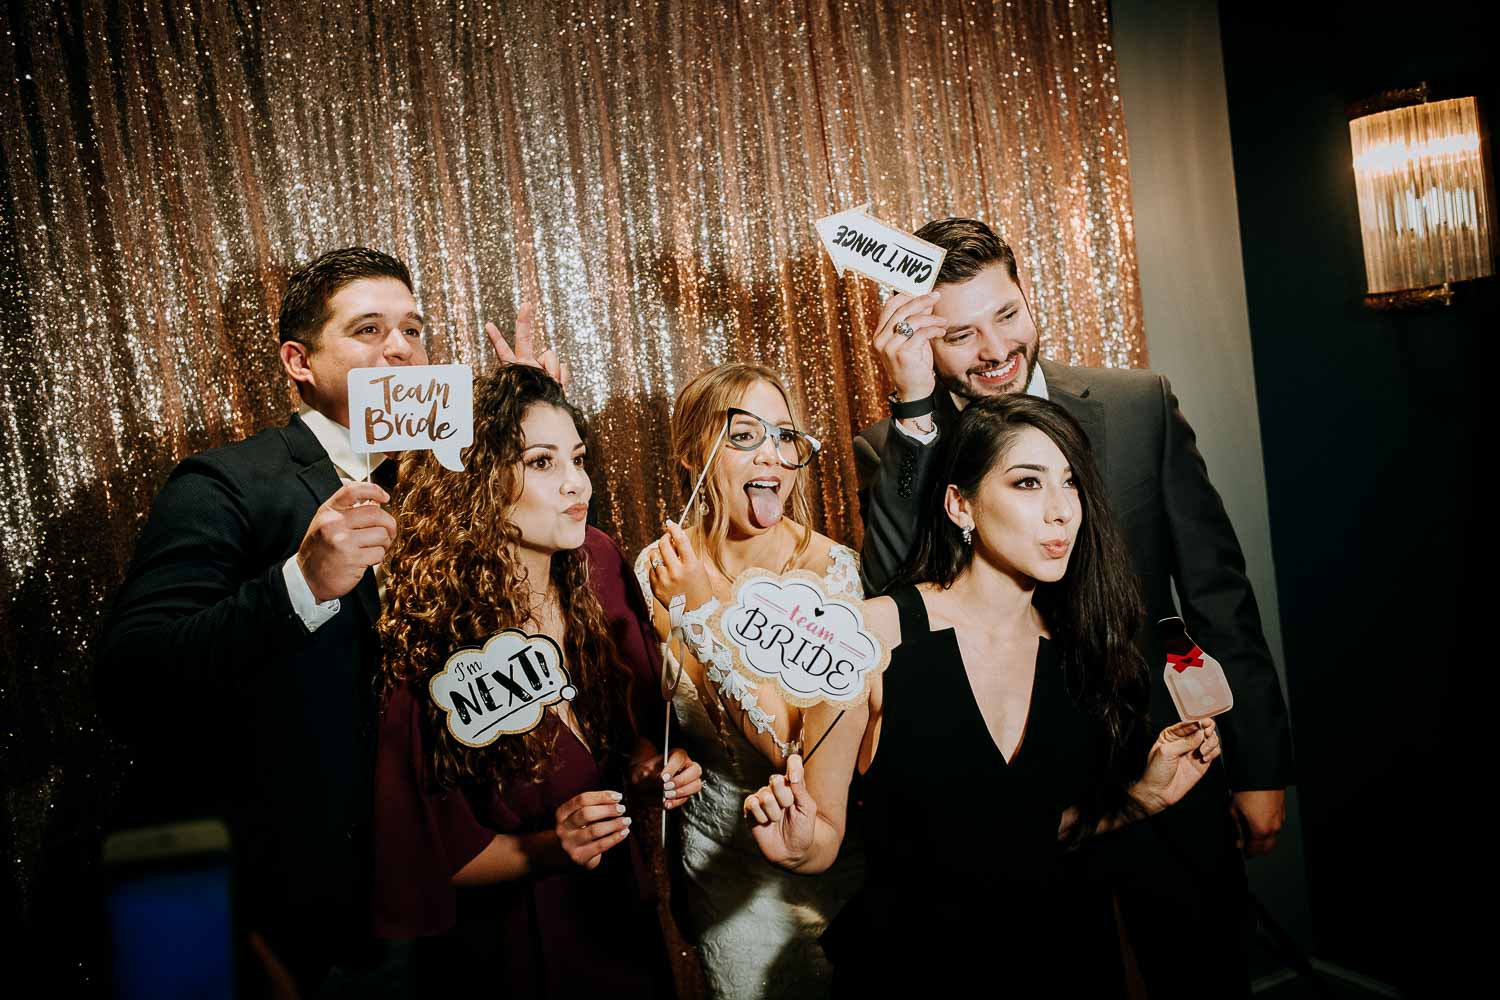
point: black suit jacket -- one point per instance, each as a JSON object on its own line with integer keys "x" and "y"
{"x": 231, "y": 705}
{"x": 1175, "y": 527}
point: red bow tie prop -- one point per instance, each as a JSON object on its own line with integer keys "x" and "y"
{"x": 1181, "y": 661}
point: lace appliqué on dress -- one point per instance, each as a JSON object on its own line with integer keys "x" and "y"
{"x": 842, "y": 576}
{"x": 717, "y": 659}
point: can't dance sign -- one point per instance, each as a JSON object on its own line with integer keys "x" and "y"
{"x": 789, "y": 630}
{"x": 856, "y": 241}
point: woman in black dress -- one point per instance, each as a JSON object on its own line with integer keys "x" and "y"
{"x": 1009, "y": 729}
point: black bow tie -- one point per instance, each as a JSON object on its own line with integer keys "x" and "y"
{"x": 384, "y": 475}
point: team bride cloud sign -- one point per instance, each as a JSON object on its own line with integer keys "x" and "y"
{"x": 413, "y": 408}
{"x": 788, "y": 629}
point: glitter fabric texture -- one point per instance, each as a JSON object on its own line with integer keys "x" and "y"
{"x": 646, "y": 173}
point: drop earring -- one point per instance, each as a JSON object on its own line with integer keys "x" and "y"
{"x": 968, "y": 533}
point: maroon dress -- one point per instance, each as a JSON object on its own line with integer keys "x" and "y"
{"x": 555, "y": 935}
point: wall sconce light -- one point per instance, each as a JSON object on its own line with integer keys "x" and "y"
{"x": 1425, "y": 197}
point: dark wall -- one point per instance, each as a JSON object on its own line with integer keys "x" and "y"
{"x": 1375, "y": 428}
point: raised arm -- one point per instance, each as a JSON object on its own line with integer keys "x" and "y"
{"x": 204, "y": 604}
{"x": 673, "y": 569}
{"x": 894, "y": 458}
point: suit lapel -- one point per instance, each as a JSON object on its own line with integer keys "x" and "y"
{"x": 1069, "y": 388}
{"x": 322, "y": 481}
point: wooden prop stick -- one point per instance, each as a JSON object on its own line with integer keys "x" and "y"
{"x": 666, "y": 739}
{"x": 814, "y": 750}
{"x": 704, "y": 474}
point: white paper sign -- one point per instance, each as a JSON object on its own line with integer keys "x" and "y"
{"x": 788, "y": 629}
{"x": 859, "y": 242}
{"x": 502, "y": 689}
{"x": 413, "y": 408}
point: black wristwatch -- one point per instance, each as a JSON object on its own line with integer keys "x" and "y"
{"x": 913, "y": 409}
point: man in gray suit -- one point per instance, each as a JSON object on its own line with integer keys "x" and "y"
{"x": 974, "y": 336}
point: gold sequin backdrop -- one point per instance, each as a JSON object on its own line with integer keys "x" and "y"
{"x": 647, "y": 172}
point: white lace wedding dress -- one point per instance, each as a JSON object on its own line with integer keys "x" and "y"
{"x": 756, "y": 925}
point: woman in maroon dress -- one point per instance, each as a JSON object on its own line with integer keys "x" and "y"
{"x": 513, "y": 864}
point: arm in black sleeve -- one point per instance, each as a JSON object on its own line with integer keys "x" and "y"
{"x": 203, "y": 606}
{"x": 894, "y": 471}
{"x": 1220, "y": 610}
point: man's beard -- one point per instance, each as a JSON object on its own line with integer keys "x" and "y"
{"x": 967, "y": 386}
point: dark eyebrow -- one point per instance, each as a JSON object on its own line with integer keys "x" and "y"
{"x": 375, "y": 315}
{"x": 1032, "y": 468}
{"x": 544, "y": 447}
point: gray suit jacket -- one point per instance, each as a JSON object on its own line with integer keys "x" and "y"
{"x": 1175, "y": 527}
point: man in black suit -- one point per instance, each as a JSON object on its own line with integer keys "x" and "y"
{"x": 974, "y": 336}
{"x": 240, "y": 655}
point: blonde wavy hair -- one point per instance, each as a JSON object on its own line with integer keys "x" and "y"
{"x": 697, "y": 418}
{"x": 453, "y": 580}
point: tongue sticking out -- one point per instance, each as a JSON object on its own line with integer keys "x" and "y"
{"x": 765, "y": 506}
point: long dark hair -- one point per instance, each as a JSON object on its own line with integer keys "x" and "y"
{"x": 1093, "y": 612}
{"x": 453, "y": 581}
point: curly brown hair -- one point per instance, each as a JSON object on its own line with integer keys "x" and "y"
{"x": 453, "y": 581}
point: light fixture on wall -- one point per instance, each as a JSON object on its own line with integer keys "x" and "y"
{"x": 1425, "y": 197}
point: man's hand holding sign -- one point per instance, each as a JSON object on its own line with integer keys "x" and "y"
{"x": 903, "y": 337}
{"x": 350, "y": 533}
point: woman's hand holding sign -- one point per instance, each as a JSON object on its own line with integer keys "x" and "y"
{"x": 348, "y": 534}
{"x": 1182, "y": 755}
{"x": 589, "y": 824}
{"x": 681, "y": 778}
{"x": 783, "y": 816}
{"x": 676, "y": 569}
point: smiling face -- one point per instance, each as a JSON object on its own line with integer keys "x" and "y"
{"x": 552, "y": 509}
{"x": 372, "y": 322}
{"x": 755, "y": 484}
{"x": 990, "y": 347}
{"x": 1027, "y": 510}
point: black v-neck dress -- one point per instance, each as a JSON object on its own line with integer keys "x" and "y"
{"x": 966, "y": 881}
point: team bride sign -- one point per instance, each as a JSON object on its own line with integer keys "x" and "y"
{"x": 787, "y": 629}
{"x": 413, "y": 408}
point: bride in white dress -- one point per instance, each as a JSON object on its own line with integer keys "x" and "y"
{"x": 756, "y": 926}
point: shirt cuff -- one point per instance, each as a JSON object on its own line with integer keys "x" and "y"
{"x": 313, "y": 614}
{"x": 927, "y": 438}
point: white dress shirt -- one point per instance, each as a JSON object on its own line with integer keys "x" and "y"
{"x": 334, "y": 437}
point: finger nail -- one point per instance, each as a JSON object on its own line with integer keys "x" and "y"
{"x": 619, "y": 807}
{"x": 667, "y": 795}
{"x": 669, "y": 785}
{"x": 616, "y": 796}
{"x": 626, "y": 821}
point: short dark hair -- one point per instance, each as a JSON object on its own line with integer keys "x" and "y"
{"x": 304, "y": 308}
{"x": 972, "y": 246}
